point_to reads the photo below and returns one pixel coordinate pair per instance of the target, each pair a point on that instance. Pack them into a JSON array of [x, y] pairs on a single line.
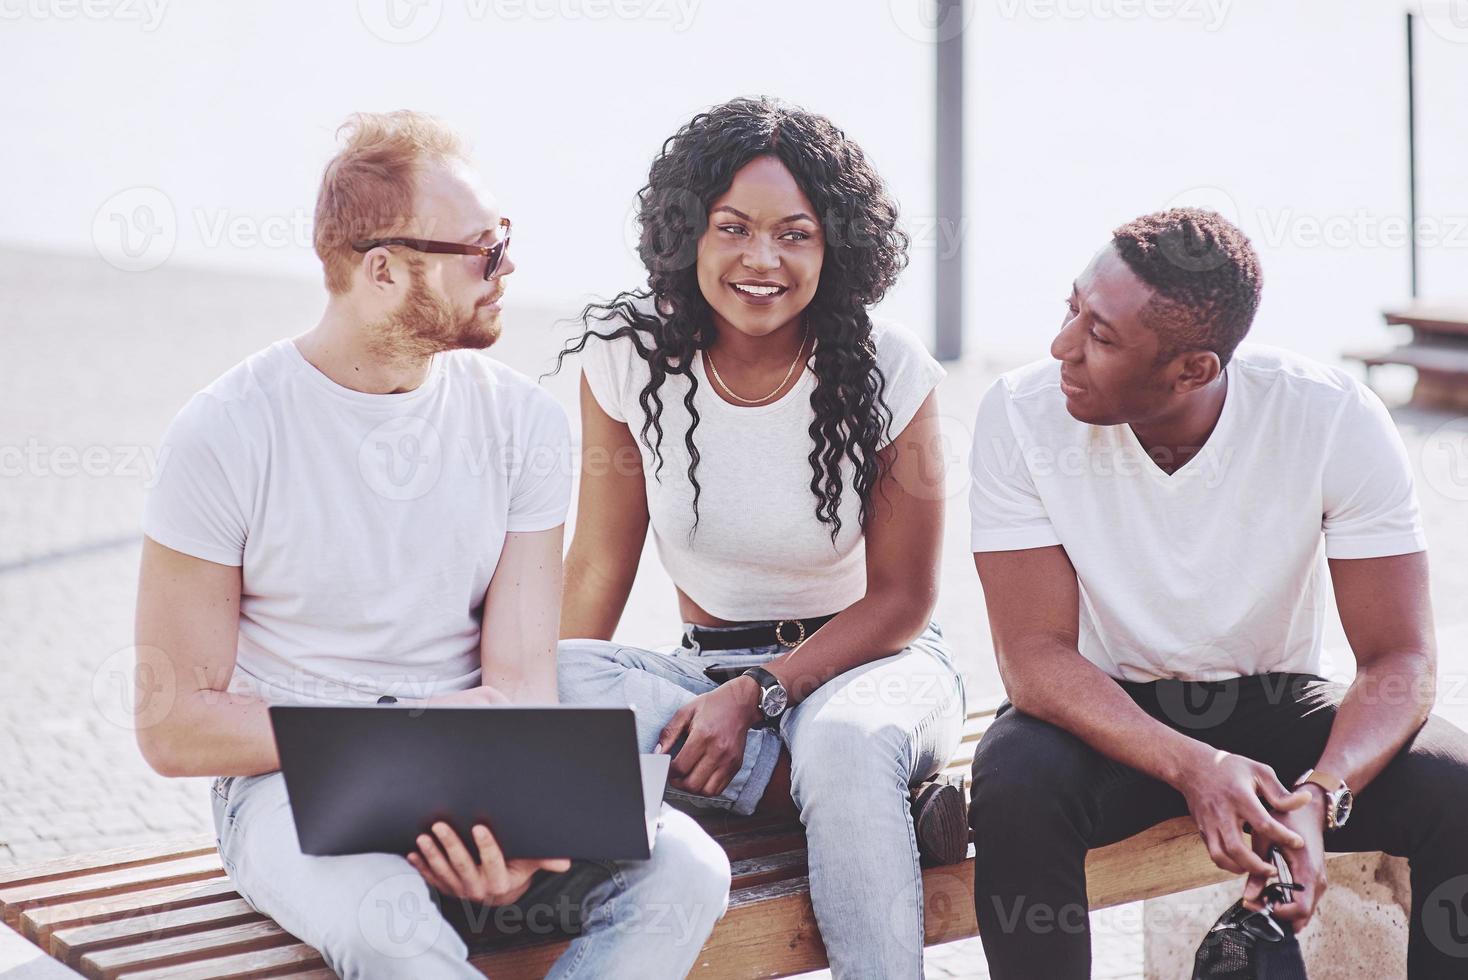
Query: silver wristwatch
[[773, 699]]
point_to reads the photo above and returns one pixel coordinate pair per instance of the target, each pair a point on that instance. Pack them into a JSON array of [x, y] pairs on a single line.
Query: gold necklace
[[708, 355]]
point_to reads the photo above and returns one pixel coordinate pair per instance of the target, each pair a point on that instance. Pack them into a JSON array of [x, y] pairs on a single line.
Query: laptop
[[549, 782]]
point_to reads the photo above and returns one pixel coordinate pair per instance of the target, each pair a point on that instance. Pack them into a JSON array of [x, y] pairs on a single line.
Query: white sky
[[1081, 114]]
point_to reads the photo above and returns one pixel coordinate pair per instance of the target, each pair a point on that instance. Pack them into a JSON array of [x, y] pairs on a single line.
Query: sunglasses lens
[[493, 259]]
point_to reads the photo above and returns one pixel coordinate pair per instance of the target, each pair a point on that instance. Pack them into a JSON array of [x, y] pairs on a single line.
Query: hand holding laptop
[[446, 864]]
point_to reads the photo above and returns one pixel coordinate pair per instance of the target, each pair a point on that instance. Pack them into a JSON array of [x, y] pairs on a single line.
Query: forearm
[[211, 733], [1055, 684], [1387, 703], [594, 598], [875, 626]]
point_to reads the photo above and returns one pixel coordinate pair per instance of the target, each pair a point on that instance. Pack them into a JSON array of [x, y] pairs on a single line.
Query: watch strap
[[762, 677], [1331, 784]]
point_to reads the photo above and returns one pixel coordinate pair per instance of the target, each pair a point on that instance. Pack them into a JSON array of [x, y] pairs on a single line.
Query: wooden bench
[[1437, 350], [167, 910]]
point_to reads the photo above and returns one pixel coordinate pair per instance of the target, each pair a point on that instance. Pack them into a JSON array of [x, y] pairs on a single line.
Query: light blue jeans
[[857, 744], [372, 915]]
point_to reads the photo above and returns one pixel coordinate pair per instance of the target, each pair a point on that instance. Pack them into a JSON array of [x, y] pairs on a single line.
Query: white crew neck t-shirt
[[1218, 570], [759, 552], [367, 526]]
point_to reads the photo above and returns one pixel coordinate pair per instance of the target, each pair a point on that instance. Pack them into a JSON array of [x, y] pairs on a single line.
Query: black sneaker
[[940, 822]]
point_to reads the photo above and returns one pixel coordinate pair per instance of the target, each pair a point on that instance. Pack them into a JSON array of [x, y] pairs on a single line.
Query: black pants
[[1042, 798]]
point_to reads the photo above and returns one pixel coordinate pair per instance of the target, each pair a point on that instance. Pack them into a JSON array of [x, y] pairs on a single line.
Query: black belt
[[787, 633]]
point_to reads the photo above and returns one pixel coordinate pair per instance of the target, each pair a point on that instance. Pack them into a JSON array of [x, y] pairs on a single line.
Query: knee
[[693, 871], [840, 761], [1022, 770], [395, 929]]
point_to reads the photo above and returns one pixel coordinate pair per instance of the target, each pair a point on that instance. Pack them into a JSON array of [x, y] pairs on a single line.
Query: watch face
[[1342, 805], [774, 701]]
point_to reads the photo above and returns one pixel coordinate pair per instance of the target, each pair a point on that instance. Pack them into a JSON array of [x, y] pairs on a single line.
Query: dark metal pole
[[948, 303], [1412, 148]]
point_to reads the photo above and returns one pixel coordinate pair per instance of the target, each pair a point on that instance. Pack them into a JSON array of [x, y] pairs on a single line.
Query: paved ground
[[98, 360]]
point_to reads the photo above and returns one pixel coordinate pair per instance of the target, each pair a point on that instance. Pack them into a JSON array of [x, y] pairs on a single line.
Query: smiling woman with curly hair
[[782, 447]]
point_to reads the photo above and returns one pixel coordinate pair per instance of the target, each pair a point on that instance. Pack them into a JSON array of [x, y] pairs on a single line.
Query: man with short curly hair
[[1156, 514]]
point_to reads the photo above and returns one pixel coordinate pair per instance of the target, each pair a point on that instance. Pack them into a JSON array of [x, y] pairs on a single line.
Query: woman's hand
[[716, 725], [445, 863]]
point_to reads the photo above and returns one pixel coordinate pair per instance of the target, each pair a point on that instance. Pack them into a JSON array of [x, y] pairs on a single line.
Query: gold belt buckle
[[780, 633]]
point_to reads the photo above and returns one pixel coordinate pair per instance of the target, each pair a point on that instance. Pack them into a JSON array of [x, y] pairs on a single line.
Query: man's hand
[[1307, 863], [716, 724], [1223, 791], [447, 865]]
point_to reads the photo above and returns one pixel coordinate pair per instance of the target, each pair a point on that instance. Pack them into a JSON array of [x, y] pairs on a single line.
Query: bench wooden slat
[[773, 867], [1423, 357], [107, 964], [108, 860], [38, 923], [15, 899], [70, 944], [296, 960]]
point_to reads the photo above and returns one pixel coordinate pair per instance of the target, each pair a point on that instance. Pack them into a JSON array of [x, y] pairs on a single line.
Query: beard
[[426, 324]]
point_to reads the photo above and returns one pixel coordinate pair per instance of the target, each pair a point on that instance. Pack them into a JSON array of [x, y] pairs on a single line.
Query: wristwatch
[[1338, 796], [773, 699]]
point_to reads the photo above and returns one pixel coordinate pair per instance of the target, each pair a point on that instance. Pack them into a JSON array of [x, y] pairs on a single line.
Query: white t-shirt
[[367, 526], [759, 552], [1218, 570]]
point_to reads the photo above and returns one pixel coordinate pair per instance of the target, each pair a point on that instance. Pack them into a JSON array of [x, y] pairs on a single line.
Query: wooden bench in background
[[1437, 350], [168, 911]]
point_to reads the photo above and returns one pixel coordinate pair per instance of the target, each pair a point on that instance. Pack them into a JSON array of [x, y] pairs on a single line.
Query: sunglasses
[[494, 255]]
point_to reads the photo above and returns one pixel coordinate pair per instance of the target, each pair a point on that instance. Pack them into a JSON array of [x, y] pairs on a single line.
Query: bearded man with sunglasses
[[373, 511]]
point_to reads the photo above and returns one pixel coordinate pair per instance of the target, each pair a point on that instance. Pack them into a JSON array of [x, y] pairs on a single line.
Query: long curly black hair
[[864, 252]]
